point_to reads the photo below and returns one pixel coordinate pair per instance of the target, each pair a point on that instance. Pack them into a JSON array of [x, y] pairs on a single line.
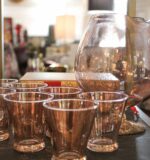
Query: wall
[[143, 9], [37, 15]]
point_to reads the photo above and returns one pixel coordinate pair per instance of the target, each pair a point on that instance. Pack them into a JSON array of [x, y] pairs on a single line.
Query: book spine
[[64, 83]]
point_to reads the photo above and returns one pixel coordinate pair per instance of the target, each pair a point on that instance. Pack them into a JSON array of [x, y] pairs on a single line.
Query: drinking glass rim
[[11, 79], [45, 105], [12, 90], [57, 93], [44, 85], [125, 96], [25, 101]]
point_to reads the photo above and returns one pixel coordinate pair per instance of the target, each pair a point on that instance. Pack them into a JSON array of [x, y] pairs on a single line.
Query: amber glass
[[4, 119], [111, 105], [61, 93], [70, 122], [27, 120], [113, 55]]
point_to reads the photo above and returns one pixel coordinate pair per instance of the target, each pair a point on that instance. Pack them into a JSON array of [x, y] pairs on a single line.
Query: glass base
[[4, 135], [69, 156], [29, 145], [129, 127], [102, 145]]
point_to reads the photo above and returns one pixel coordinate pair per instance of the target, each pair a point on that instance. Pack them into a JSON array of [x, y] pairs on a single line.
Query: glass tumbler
[[27, 119], [70, 121], [61, 93], [108, 118], [4, 119]]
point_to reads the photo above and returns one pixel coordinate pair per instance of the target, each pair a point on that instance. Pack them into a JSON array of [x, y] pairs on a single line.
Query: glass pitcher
[[113, 55]]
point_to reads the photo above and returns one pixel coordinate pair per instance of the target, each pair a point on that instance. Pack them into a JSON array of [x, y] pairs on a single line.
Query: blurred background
[[43, 35]]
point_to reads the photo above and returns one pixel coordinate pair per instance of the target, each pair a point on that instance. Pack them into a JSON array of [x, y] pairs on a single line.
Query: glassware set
[[67, 115]]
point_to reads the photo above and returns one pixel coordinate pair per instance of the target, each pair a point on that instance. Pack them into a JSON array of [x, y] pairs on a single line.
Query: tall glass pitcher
[[113, 55]]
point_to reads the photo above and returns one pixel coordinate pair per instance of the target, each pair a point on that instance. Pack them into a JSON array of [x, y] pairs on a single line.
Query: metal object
[[1, 41], [143, 116]]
